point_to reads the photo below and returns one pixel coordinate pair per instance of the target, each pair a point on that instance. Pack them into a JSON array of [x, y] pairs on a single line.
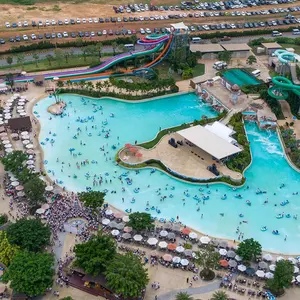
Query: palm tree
[[114, 46], [49, 57], [183, 296], [99, 47], [20, 59], [220, 295], [99, 86], [36, 58]]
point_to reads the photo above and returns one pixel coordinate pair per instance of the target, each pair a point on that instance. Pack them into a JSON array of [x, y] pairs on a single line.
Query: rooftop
[[221, 130], [209, 141], [179, 26], [271, 45], [206, 48], [236, 47]]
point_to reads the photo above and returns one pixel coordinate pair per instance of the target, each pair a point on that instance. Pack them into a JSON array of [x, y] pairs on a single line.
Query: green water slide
[[281, 87]]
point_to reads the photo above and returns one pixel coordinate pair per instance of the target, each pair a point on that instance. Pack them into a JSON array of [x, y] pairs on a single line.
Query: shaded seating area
[[20, 124]]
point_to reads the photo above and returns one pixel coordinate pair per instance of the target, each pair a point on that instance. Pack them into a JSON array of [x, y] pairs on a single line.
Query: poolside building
[[241, 50], [271, 47], [222, 131], [209, 51], [216, 145]]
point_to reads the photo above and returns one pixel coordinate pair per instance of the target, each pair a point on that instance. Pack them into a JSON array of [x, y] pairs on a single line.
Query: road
[[108, 49]]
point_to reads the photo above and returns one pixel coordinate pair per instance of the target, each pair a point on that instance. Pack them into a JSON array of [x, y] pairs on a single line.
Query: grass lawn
[[43, 65], [199, 70], [296, 47], [163, 71]]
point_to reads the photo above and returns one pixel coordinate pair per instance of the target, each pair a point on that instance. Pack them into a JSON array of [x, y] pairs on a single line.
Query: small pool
[[249, 113], [240, 77]]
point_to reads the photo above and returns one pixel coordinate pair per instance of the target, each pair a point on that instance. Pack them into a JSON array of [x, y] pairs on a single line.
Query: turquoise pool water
[[240, 77], [141, 122]]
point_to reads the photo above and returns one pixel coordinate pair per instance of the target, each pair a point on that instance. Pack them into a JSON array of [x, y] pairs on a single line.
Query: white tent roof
[[209, 141], [222, 131], [179, 26]]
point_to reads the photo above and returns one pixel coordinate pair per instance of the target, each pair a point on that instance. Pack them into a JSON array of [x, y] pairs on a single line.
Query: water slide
[[157, 60], [153, 39], [281, 86], [98, 70], [294, 73]]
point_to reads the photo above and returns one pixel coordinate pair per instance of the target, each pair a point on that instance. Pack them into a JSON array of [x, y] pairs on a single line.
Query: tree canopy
[[207, 259], [29, 234], [225, 56], [34, 190], [249, 249], [283, 277], [140, 221], [183, 296], [93, 199], [219, 295], [94, 255], [126, 275], [251, 60], [30, 273], [14, 161], [7, 251]]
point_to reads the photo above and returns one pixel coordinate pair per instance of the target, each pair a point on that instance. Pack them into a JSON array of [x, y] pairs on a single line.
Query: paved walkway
[[192, 291]]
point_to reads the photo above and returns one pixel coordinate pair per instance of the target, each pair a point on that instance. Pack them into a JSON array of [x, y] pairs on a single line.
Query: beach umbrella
[[176, 259], [223, 263], [3, 134], [263, 265], [260, 273], [152, 241], [184, 262], [31, 167], [269, 275], [9, 150], [10, 100], [242, 268], [7, 117], [23, 114], [133, 150], [171, 236], [232, 263], [24, 133], [105, 221], [238, 258], [231, 254], [188, 252], [128, 146], [292, 260], [296, 270], [267, 257], [204, 240], [4, 138], [25, 137], [163, 233], [40, 211], [45, 206], [6, 110], [127, 229], [138, 238], [30, 162], [250, 271], [49, 188], [163, 245], [153, 253], [109, 212], [298, 278], [6, 142], [186, 231], [20, 188], [172, 247], [112, 224], [223, 252], [15, 183], [120, 226], [26, 142], [1, 122], [139, 154], [279, 258], [20, 107], [30, 151], [125, 219], [176, 227], [168, 226], [167, 257], [8, 145], [180, 249], [126, 236], [118, 215], [115, 232], [29, 146], [193, 235], [20, 194]]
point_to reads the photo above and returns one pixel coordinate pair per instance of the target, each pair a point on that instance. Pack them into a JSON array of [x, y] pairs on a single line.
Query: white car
[[19, 24], [83, 20], [148, 30], [66, 21], [141, 18], [47, 22], [104, 32], [25, 37], [53, 22], [33, 36], [78, 21], [25, 24], [90, 20], [96, 20], [65, 34], [7, 25], [40, 23], [93, 34], [129, 32], [142, 31]]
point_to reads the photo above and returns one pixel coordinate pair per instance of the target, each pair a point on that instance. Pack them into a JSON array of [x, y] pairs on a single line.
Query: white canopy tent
[[209, 142], [222, 131], [179, 26]]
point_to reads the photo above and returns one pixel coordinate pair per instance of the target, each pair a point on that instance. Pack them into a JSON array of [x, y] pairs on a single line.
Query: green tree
[[7, 251], [91, 50], [94, 255], [67, 56], [21, 59], [187, 73], [126, 275], [3, 219], [14, 161], [283, 277], [219, 295], [60, 84], [34, 190], [183, 296], [50, 58], [251, 60], [225, 56], [9, 78], [114, 46], [30, 273], [59, 54], [99, 48], [9, 60], [140, 221], [249, 249], [36, 58], [66, 298], [29, 234], [207, 259]]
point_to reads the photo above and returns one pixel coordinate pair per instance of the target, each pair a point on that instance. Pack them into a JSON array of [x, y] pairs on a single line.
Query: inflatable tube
[[280, 216], [285, 202], [264, 228]]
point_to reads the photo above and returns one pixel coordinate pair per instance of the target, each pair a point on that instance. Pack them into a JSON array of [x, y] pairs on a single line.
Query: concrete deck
[[185, 160]]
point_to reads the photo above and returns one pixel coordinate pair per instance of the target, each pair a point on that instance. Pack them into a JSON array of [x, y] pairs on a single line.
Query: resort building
[[238, 50], [222, 131], [271, 47], [209, 51]]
